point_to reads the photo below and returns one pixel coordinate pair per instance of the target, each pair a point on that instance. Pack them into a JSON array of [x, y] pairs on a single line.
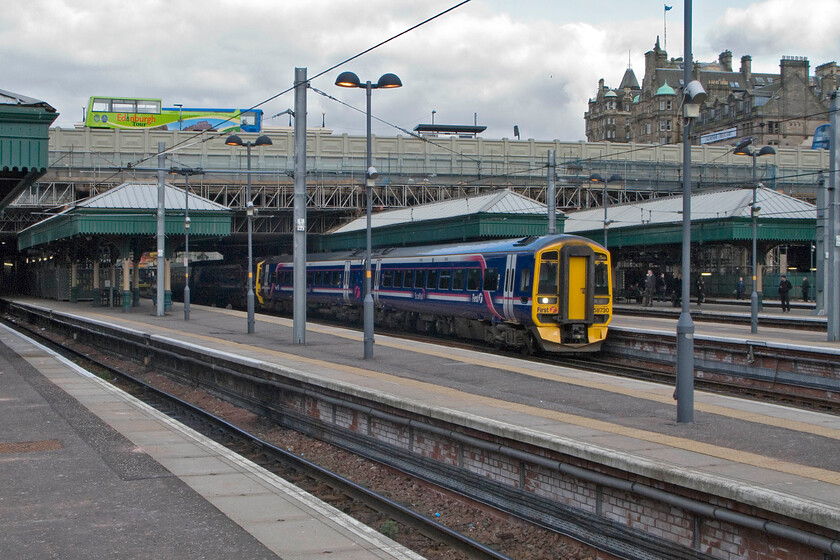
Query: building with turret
[[781, 109]]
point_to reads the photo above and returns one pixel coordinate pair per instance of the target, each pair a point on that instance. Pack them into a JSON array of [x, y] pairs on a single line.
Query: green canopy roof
[[130, 210]]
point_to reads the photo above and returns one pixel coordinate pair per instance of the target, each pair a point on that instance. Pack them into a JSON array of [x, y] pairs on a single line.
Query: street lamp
[[235, 140], [387, 81], [597, 178], [745, 149], [186, 172]]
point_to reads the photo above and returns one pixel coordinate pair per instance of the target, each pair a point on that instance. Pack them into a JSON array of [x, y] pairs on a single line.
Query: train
[[552, 293], [141, 112]]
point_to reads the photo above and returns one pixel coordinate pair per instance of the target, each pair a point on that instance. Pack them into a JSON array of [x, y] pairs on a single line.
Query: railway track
[[529, 505], [400, 522]]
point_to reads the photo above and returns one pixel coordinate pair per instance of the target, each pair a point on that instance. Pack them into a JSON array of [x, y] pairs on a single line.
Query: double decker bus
[[138, 113]]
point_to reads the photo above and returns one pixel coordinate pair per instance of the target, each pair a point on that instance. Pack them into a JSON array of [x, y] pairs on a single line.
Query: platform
[[90, 472], [780, 459]]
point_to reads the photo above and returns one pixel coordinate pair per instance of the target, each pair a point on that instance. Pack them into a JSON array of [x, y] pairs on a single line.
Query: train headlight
[[546, 300]]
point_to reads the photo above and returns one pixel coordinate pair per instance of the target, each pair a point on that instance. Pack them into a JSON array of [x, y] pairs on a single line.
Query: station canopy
[[130, 210], [716, 215], [24, 140], [500, 214]]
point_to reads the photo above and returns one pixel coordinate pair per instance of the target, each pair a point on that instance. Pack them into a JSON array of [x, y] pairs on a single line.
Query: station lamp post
[[186, 172], [746, 149], [235, 140], [597, 178], [387, 81]]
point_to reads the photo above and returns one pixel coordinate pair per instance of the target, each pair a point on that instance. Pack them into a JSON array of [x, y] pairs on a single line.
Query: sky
[[497, 63]]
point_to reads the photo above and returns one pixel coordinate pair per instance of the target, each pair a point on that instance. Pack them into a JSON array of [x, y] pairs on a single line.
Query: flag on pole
[[667, 7]]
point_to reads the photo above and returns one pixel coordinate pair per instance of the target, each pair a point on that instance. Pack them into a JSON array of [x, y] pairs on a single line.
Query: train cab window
[[602, 275], [549, 273], [445, 279], [474, 279], [491, 279], [458, 277], [387, 279], [525, 280], [431, 279], [288, 277], [419, 278]]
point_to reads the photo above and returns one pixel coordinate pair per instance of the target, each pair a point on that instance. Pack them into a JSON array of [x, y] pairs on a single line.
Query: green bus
[[139, 113]]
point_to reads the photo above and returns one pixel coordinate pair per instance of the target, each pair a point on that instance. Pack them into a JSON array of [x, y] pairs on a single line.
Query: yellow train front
[[551, 292], [572, 299]]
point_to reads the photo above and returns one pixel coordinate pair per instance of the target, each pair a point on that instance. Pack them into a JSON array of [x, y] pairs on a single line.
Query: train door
[[345, 285], [375, 286], [577, 284], [509, 286]]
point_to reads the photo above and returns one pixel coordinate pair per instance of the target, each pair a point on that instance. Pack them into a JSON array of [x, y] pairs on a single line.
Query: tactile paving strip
[[29, 446]]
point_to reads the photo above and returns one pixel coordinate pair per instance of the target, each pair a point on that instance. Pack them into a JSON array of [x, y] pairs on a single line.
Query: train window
[[491, 279], [387, 278], [458, 277], [431, 279], [336, 278], [474, 279], [549, 271], [525, 280], [310, 278], [602, 276], [445, 279], [409, 279], [419, 278], [287, 277], [399, 276], [319, 277]]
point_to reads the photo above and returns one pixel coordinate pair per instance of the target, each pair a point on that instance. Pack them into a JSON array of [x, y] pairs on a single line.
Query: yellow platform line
[[719, 452], [667, 399]]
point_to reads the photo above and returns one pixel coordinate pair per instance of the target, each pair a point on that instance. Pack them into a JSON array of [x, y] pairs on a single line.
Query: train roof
[[521, 244]]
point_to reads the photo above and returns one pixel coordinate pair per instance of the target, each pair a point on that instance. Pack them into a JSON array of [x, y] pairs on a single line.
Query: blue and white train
[[554, 291]]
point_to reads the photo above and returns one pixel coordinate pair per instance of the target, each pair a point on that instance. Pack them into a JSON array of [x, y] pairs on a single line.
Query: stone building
[[781, 109]]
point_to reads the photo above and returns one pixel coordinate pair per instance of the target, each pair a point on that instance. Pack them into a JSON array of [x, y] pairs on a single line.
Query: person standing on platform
[[739, 288], [650, 288], [663, 287], [784, 293], [806, 287], [701, 290]]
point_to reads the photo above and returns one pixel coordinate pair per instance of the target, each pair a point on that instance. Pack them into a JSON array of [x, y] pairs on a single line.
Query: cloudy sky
[[531, 63]]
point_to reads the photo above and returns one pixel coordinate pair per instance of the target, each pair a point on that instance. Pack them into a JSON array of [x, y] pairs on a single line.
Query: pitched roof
[[708, 205], [11, 98], [500, 202], [144, 196], [629, 80]]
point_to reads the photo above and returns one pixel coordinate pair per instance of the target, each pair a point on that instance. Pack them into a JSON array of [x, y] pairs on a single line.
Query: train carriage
[[552, 290]]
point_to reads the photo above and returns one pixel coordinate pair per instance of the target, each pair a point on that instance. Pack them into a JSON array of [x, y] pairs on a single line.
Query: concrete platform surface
[[90, 472]]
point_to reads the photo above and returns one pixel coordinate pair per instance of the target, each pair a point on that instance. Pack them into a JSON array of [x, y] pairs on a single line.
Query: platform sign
[[713, 137], [822, 137]]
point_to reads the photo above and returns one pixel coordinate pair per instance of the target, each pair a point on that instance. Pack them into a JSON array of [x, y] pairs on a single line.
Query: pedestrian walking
[[650, 288], [784, 294], [806, 287], [739, 288]]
